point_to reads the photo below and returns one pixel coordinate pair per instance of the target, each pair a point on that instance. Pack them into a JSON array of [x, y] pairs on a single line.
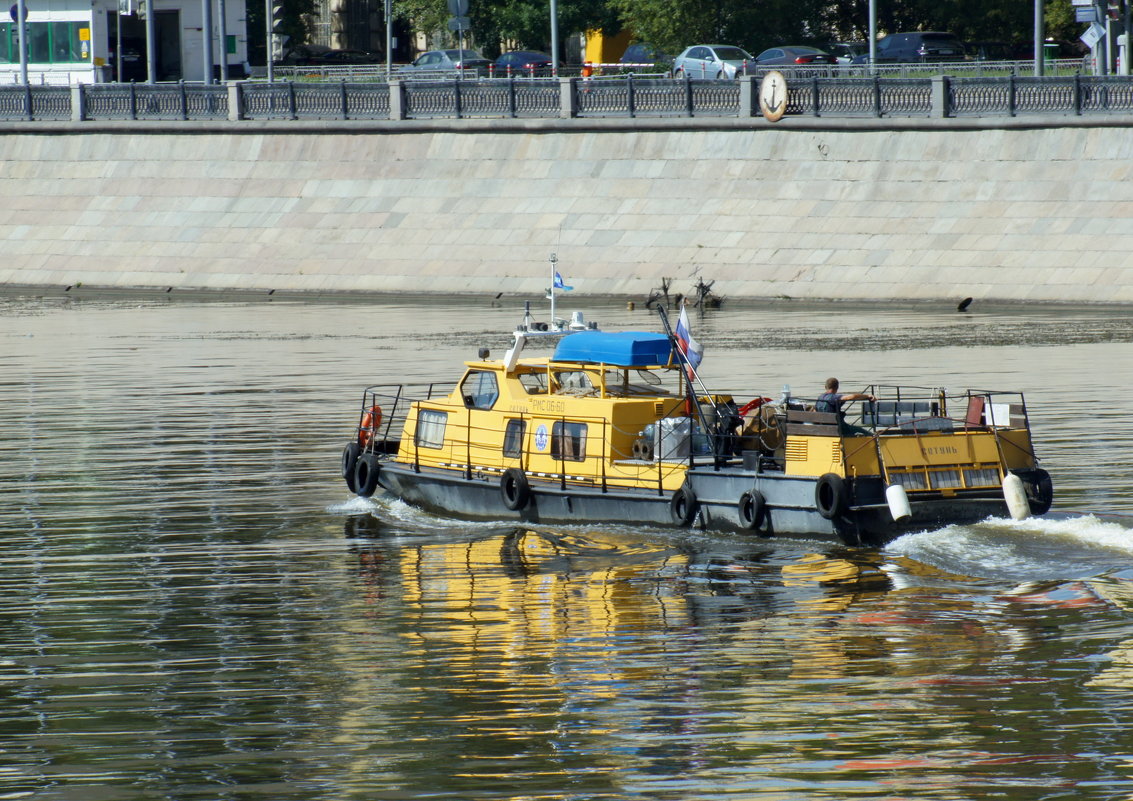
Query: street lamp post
[[389, 39], [22, 26], [222, 38], [554, 37], [872, 34], [269, 25], [206, 32]]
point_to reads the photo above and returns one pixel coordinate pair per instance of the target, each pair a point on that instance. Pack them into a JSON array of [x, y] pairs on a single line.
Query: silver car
[[458, 62], [713, 62]]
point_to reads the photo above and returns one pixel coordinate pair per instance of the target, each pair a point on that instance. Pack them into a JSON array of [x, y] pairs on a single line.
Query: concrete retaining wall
[[806, 209]]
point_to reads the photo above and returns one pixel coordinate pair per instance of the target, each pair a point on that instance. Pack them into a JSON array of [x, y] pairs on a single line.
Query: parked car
[[917, 48], [712, 62], [990, 51], [523, 62], [441, 61], [846, 52], [305, 55], [352, 57], [794, 55], [645, 54]]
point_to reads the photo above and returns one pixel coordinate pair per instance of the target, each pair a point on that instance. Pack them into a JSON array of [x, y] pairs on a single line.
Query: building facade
[[91, 41]]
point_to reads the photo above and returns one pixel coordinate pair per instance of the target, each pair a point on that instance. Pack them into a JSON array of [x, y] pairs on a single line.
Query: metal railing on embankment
[[620, 96]]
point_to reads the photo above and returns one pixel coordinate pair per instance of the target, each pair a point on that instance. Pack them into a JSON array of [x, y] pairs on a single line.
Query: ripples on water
[[193, 607]]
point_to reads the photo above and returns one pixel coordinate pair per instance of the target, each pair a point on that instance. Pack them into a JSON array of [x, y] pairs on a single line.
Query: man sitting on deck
[[832, 401]]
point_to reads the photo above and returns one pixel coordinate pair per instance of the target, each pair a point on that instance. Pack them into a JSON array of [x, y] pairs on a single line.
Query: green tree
[[672, 25], [1059, 21], [499, 25]]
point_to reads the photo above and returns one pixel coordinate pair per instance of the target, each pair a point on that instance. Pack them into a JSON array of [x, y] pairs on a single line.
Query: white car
[[713, 62], [451, 62]]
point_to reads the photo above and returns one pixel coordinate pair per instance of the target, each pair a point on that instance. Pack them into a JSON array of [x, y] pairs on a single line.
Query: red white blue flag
[[692, 349]]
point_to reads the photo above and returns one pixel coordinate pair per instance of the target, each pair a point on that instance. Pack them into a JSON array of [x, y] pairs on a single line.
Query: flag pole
[[691, 373], [553, 260]]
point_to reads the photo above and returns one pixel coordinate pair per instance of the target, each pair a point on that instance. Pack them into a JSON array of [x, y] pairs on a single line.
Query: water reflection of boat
[[617, 427]]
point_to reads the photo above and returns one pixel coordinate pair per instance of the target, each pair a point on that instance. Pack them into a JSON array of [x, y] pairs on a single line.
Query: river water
[[192, 605]]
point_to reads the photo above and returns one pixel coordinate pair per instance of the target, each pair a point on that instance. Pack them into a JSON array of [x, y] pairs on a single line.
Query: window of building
[[48, 42], [480, 389], [431, 428], [513, 438], [568, 441]]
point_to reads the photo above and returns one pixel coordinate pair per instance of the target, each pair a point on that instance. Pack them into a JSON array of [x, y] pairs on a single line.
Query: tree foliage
[[672, 25], [499, 25]]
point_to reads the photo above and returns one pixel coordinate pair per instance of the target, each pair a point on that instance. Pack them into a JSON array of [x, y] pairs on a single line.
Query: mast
[[691, 376], [551, 292]]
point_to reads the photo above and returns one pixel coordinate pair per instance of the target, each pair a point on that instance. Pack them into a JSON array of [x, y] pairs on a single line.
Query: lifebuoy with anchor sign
[[752, 507], [830, 495], [682, 507], [515, 489], [369, 428]]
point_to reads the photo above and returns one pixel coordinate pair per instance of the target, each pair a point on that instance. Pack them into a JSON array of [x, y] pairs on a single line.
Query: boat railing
[[898, 411], [588, 450], [594, 449], [392, 402], [905, 409]]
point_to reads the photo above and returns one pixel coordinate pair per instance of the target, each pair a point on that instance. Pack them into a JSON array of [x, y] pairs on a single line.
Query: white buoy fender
[[1016, 497], [898, 502]]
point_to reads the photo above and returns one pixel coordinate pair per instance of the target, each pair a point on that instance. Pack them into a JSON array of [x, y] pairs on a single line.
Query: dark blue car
[[523, 63]]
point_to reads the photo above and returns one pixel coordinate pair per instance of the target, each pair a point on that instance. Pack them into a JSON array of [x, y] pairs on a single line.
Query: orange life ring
[[369, 428], [753, 404]]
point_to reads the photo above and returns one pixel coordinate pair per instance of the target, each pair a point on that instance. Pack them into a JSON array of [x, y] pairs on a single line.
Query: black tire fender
[[682, 506], [830, 495], [515, 489], [349, 459], [1039, 488], [366, 473], [752, 508]]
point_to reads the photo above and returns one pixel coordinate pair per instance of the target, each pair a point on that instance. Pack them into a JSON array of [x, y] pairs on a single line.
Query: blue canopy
[[621, 348]]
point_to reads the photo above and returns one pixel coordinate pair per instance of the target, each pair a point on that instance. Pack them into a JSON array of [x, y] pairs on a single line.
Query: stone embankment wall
[[841, 209]]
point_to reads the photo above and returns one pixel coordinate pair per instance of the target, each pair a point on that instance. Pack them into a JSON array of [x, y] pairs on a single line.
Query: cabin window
[[568, 441], [513, 438], [480, 389], [534, 383], [574, 382], [431, 428]]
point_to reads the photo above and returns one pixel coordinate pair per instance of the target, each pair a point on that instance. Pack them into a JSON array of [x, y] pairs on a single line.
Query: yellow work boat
[[615, 428]]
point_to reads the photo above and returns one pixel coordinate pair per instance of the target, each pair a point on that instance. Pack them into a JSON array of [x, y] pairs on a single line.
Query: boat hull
[[712, 499]]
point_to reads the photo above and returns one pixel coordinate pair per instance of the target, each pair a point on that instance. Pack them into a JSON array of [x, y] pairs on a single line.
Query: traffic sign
[[458, 8], [15, 10], [459, 24], [1093, 35]]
